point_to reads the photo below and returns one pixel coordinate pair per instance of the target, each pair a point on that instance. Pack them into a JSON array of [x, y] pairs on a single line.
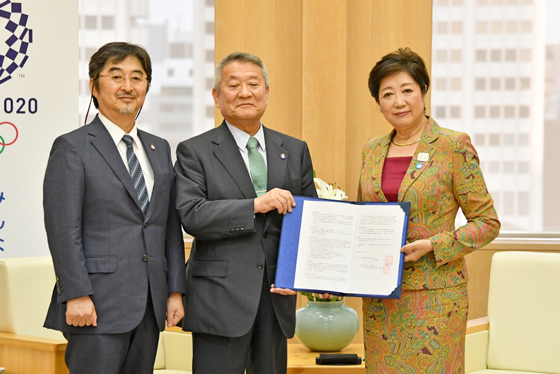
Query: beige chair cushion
[[174, 355], [160, 355], [26, 286], [524, 312]]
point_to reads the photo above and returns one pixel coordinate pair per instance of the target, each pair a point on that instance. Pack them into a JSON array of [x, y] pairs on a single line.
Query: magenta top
[[394, 170]]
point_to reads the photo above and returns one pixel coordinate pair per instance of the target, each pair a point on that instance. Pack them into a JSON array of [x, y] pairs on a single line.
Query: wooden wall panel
[[270, 29], [375, 28], [324, 86]]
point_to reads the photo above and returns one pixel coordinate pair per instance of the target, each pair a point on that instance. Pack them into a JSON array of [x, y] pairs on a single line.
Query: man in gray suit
[[234, 184], [112, 227]]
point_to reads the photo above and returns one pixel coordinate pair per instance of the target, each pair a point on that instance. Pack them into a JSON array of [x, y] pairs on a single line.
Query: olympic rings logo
[[3, 143]]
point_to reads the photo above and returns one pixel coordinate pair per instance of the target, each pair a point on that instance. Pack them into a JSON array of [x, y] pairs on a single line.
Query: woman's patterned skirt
[[422, 332]]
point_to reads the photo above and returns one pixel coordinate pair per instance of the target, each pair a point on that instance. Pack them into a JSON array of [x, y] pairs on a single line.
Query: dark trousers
[[132, 352], [263, 350]]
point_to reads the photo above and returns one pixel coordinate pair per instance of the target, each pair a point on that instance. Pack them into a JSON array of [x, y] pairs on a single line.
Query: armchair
[[521, 334], [26, 347], [174, 354]]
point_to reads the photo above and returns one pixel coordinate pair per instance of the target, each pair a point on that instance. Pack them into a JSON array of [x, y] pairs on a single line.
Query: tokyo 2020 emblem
[[13, 54]]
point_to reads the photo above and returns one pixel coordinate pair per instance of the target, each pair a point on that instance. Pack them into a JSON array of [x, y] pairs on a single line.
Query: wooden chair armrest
[[32, 342], [476, 325]]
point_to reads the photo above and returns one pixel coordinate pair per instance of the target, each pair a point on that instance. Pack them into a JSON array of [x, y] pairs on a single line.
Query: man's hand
[[413, 251], [81, 312], [281, 200], [175, 309], [282, 291]]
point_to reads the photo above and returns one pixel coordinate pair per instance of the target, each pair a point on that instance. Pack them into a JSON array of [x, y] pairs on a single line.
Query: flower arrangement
[[332, 192]]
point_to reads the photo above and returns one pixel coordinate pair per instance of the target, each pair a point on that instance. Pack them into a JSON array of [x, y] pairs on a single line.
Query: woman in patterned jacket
[[436, 170]]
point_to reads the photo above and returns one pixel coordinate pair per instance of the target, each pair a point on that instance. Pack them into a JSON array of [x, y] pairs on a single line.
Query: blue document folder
[[289, 245]]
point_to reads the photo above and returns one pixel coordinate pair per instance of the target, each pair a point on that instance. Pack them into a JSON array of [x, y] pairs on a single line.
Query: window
[[107, 22], [441, 56], [479, 139], [511, 27], [456, 55], [441, 27], [455, 84], [523, 198], [209, 112], [177, 50], [456, 28], [509, 139], [509, 167], [90, 22], [441, 84], [209, 84], [479, 112], [509, 84], [494, 139], [494, 111], [524, 111], [455, 111], [525, 83], [497, 27], [480, 55], [440, 112], [495, 55], [481, 27], [209, 28], [525, 54], [480, 84], [511, 55], [495, 84], [526, 27], [509, 111], [210, 56]]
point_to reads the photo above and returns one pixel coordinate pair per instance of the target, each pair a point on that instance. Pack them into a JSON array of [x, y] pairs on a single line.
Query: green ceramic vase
[[326, 326]]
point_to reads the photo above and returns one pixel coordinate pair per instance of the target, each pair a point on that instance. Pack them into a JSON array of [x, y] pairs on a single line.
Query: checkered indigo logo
[[14, 53]]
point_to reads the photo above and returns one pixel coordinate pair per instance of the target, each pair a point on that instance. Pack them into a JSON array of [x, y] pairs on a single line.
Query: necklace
[[405, 144]]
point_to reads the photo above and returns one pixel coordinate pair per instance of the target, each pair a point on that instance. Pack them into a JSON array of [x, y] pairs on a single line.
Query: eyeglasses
[[135, 78]]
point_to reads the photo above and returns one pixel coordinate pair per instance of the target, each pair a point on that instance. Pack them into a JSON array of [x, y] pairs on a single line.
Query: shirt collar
[[241, 137], [116, 132]]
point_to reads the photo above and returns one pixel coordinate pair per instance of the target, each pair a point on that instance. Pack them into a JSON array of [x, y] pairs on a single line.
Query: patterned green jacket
[[449, 179]]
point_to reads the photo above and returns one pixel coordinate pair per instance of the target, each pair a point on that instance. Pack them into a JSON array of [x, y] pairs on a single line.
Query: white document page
[[376, 262], [325, 246], [349, 248]]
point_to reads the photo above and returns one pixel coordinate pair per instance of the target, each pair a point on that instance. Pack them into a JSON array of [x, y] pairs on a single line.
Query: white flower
[[329, 191]]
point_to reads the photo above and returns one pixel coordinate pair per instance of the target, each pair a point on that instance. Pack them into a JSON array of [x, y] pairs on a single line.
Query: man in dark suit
[[112, 227], [231, 199]]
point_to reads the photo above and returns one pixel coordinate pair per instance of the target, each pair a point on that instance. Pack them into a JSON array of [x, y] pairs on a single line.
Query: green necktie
[[257, 166]]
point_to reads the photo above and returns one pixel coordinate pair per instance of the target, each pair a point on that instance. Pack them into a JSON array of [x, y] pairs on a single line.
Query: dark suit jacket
[[231, 244], [98, 236]]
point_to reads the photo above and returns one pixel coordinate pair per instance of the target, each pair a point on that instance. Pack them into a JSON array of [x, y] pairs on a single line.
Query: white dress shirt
[[241, 139], [117, 134]]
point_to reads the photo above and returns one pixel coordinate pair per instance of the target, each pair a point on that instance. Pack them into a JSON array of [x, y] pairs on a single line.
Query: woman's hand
[[413, 251]]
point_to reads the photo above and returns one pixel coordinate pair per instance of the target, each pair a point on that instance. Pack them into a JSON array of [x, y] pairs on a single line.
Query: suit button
[[260, 266], [265, 235], [145, 225], [145, 258]]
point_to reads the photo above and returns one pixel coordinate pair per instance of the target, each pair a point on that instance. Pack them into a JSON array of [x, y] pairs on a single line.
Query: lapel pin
[[283, 156], [153, 147], [422, 156], [419, 165]]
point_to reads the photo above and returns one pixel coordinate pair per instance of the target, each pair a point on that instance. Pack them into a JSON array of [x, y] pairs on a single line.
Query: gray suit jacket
[[101, 243], [232, 244]]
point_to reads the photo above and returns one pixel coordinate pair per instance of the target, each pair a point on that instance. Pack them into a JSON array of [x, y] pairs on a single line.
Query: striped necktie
[[257, 166], [135, 171]]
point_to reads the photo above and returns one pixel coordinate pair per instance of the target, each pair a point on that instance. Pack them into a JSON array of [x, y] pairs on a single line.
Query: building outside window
[[510, 102], [180, 40]]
